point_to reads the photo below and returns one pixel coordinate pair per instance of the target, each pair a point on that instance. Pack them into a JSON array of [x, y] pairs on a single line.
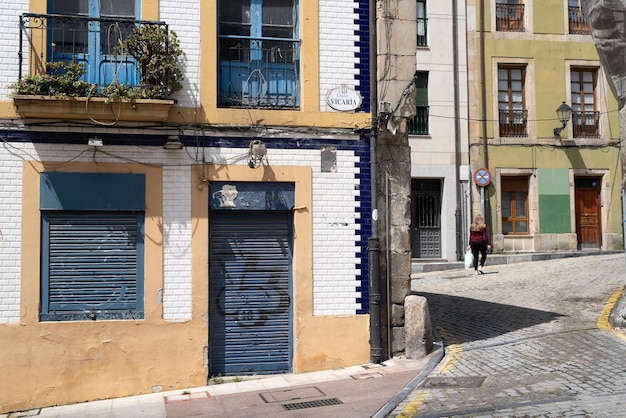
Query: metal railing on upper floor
[[258, 72], [510, 17], [513, 123], [95, 44]]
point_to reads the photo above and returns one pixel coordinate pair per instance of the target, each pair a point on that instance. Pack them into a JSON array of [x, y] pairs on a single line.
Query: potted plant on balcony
[[61, 92]]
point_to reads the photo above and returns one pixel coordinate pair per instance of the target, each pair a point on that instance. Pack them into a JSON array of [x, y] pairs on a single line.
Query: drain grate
[[364, 376], [311, 404], [453, 382]]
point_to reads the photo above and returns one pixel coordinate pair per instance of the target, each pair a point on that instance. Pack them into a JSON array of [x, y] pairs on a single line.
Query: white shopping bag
[[469, 259]]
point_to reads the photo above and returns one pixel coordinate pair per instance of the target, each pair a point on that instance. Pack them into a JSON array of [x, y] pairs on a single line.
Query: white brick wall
[[334, 230], [337, 45], [177, 243], [9, 44], [187, 28], [334, 220], [10, 234]]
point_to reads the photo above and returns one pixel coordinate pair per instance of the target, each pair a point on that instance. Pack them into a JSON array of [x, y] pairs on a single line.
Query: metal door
[[426, 218], [249, 292]]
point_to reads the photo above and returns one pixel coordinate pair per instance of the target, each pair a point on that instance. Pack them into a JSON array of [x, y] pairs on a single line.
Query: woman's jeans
[[479, 247]]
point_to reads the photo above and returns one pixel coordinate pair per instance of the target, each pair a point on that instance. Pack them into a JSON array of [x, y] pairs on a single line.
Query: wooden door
[[588, 213]]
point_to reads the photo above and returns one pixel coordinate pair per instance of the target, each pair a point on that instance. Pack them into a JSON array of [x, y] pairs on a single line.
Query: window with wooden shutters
[[513, 115], [514, 204], [585, 117]]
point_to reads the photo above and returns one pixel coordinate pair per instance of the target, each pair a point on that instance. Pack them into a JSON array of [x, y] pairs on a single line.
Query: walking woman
[[479, 242]]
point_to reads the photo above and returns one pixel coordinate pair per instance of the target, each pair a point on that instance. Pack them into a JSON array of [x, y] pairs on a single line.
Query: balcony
[[510, 17], [513, 123], [577, 21], [419, 124], [259, 72], [79, 67], [586, 124]]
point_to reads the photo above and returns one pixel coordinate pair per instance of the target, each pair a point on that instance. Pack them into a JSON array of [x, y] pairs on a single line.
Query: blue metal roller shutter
[[92, 263], [249, 289]]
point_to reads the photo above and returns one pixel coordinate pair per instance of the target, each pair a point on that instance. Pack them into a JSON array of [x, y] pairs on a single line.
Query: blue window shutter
[[92, 244], [92, 266]]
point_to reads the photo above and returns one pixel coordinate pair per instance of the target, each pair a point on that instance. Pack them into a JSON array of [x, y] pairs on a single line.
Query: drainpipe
[[483, 104], [373, 245], [457, 130]]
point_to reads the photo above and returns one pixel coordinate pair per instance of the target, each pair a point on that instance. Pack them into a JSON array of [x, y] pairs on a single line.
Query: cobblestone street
[[526, 339]]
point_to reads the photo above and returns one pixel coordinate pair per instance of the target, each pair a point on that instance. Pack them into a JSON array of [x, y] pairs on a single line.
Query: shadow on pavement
[[474, 320]]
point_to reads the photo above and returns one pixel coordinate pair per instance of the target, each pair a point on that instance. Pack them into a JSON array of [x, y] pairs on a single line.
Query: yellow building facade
[[553, 184]]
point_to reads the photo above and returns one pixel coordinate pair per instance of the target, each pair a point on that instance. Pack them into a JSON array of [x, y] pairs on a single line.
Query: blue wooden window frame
[[101, 65], [92, 246], [262, 67]]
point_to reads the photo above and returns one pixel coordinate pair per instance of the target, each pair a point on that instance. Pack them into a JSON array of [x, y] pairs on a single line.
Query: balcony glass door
[[258, 53], [88, 33]]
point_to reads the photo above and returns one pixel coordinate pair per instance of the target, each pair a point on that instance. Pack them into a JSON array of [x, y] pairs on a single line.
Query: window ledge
[[98, 108]]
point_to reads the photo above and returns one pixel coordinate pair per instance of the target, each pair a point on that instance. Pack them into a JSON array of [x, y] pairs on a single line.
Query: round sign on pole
[[482, 177]]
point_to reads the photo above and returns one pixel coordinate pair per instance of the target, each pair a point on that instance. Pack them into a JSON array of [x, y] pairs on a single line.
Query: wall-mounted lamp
[[563, 112], [256, 153], [173, 142]]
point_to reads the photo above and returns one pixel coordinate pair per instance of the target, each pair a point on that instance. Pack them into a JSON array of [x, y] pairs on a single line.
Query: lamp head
[[564, 112]]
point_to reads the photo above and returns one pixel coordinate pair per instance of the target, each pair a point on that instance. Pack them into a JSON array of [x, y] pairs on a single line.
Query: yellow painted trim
[[149, 10], [50, 357], [319, 342], [38, 6], [454, 350], [309, 113], [31, 233], [413, 406], [603, 320], [454, 353]]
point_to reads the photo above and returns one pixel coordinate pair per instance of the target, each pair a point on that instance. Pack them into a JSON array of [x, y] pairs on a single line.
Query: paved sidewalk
[[358, 391]]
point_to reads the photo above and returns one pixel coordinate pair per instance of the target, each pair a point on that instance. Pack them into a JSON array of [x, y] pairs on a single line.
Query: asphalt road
[[525, 340]]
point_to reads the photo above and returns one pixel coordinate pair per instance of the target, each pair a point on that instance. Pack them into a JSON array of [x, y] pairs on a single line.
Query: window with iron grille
[[510, 15], [513, 115], [514, 204], [422, 23], [576, 19], [259, 54], [419, 124], [585, 117]]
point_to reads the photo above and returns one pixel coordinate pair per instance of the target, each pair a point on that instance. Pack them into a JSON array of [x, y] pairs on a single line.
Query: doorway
[[426, 218], [587, 206]]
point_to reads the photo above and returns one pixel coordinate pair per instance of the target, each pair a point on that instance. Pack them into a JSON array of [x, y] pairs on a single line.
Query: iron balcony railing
[[577, 21], [422, 31], [585, 124], [419, 124], [258, 72], [94, 43], [510, 17], [513, 123]]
